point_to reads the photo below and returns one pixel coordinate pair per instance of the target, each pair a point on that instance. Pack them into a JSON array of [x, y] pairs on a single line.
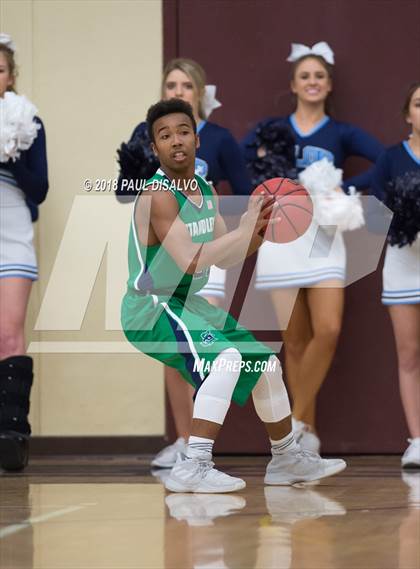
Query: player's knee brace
[[214, 396], [270, 396]]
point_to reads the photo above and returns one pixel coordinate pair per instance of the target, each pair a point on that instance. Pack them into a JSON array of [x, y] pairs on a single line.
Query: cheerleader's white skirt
[[316, 258], [401, 274], [17, 253], [215, 286]]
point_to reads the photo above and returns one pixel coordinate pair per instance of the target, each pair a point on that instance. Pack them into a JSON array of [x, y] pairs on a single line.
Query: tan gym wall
[[92, 69]]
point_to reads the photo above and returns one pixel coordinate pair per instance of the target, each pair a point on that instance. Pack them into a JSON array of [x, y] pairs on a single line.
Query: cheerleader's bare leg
[[326, 311], [296, 337], [180, 394], [14, 297], [406, 324], [15, 374]]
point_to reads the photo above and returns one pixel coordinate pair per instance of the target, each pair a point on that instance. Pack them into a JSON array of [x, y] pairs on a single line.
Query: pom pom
[[321, 177], [332, 207], [18, 129], [209, 102], [403, 198], [279, 160], [136, 158]]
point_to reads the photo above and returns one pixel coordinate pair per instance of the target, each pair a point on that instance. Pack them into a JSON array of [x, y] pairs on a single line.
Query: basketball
[[294, 210]]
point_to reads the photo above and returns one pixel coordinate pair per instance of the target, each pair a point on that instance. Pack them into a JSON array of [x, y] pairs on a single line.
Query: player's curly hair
[[163, 108]]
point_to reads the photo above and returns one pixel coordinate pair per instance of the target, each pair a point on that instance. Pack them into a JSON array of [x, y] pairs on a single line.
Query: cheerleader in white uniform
[[314, 263], [23, 185], [396, 181]]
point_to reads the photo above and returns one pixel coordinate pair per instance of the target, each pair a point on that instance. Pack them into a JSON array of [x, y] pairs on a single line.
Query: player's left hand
[[256, 219]]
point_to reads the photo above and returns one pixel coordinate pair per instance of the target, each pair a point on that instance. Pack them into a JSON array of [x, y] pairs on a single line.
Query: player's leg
[[406, 324], [178, 334], [181, 393], [289, 463], [326, 308], [180, 397], [194, 471], [15, 373], [233, 380]]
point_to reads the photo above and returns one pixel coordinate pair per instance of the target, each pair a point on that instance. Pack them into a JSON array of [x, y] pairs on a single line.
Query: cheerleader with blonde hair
[[23, 186]]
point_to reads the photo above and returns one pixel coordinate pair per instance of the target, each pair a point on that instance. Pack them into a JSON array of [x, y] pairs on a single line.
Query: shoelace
[[205, 466], [313, 456], [298, 435]]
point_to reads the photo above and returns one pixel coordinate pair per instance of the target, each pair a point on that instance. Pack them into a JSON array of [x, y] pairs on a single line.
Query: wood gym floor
[[113, 513]]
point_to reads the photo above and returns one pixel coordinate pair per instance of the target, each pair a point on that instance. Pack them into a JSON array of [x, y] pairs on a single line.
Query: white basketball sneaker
[[411, 457], [306, 438], [161, 474], [288, 505], [300, 466], [412, 479], [199, 475], [166, 458], [202, 509]]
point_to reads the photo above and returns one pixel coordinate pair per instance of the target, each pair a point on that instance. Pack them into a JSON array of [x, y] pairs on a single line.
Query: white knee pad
[[270, 396], [215, 394]]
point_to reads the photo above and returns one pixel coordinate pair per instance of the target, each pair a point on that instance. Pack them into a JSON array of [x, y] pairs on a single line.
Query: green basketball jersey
[[151, 268]]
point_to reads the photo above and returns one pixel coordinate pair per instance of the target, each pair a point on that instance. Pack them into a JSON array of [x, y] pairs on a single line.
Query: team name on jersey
[[201, 227]]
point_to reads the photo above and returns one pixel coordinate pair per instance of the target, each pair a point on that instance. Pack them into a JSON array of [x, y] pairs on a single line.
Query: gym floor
[[113, 512]]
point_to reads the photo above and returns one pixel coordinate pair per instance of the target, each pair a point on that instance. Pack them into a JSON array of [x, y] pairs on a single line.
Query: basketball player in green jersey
[[176, 234]]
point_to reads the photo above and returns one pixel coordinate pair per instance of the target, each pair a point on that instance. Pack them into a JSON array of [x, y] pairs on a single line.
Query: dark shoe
[[14, 451], [15, 388]]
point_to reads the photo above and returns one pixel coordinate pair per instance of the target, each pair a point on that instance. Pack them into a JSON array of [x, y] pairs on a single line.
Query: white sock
[[284, 445], [199, 447]]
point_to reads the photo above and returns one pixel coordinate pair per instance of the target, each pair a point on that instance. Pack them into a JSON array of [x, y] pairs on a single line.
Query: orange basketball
[[294, 211]]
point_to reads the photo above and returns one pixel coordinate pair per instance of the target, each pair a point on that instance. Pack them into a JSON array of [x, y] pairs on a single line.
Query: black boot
[[15, 388]]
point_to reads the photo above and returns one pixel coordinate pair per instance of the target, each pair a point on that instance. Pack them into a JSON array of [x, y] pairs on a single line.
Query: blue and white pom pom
[[332, 207], [136, 158], [278, 159], [18, 129]]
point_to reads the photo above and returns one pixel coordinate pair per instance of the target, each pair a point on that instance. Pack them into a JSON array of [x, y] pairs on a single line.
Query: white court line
[[10, 530]]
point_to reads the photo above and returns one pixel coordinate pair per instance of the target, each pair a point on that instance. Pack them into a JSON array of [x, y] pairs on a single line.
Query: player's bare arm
[[227, 250], [251, 228], [220, 229]]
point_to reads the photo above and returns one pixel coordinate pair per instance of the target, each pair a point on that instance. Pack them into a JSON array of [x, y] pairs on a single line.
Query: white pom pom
[[331, 206], [18, 129], [321, 177]]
